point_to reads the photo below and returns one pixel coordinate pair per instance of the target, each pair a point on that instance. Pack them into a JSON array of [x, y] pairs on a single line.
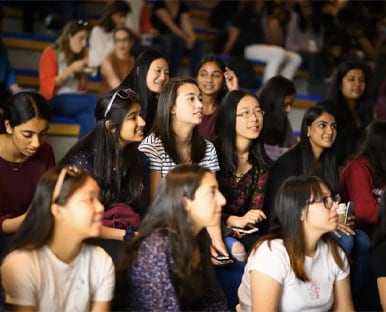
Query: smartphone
[[223, 259], [349, 211], [247, 230]]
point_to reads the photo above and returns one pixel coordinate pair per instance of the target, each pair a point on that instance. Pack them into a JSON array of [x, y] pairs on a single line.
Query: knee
[[363, 241], [294, 58], [238, 251], [346, 242]]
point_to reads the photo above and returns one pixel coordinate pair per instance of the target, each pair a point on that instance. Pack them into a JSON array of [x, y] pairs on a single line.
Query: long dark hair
[[117, 6], [341, 109], [168, 217], [316, 23], [24, 106], [380, 227], [373, 147], [38, 226], [271, 98], [226, 135], [127, 183], [212, 58], [327, 169], [136, 80], [163, 127], [289, 203]]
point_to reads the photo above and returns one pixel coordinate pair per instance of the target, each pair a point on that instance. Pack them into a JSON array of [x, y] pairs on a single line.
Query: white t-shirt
[[160, 160], [38, 278], [315, 295], [101, 44]]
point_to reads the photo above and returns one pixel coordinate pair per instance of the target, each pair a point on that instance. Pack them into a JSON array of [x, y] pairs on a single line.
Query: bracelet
[[129, 234]]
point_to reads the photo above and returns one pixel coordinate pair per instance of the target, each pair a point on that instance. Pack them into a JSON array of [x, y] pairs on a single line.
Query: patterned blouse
[[245, 194], [152, 279]]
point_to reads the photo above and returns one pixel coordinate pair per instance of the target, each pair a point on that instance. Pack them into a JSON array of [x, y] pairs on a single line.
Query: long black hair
[[119, 172], [380, 227], [373, 146], [38, 226], [341, 107], [327, 168], [24, 106], [136, 80], [168, 217], [226, 135], [271, 98], [290, 201], [163, 125]]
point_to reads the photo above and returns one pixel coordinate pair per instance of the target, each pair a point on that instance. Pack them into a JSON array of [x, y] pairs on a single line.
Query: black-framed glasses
[[123, 94], [328, 201], [246, 114], [70, 170]]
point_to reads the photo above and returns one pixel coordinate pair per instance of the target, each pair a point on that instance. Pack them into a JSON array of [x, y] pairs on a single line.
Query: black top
[[251, 32], [158, 24]]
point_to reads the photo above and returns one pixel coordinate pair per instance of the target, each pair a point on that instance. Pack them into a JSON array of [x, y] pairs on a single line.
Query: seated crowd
[[192, 193]]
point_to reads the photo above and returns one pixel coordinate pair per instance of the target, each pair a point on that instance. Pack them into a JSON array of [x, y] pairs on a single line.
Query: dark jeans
[[357, 247], [173, 47], [80, 106]]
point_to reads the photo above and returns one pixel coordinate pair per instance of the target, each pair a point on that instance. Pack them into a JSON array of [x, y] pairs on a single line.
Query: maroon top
[[18, 182], [207, 126]]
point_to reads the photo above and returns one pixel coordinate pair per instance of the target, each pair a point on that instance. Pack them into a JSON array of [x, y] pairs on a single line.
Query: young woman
[[110, 154], [167, 266], [349, 101], [176, 34], [117, 65], [175, 139], [299, 266], [213, 78], [63, 77], [50, 265], [314, 155], [253, 36], [363, 178], [242, 179], [101, 37], [276, 99], [24, 157], [305, 31], [147, 78], [243, 162]]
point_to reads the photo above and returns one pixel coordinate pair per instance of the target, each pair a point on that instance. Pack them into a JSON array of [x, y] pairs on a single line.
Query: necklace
[[18, 166], [15, 166], [239, 177]]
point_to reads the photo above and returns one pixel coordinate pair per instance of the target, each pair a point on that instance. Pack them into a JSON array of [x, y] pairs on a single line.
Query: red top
[[18, 182], [48, 70], [359, 187]]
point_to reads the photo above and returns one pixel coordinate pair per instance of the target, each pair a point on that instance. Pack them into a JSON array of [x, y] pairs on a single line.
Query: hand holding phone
[[349, 211]]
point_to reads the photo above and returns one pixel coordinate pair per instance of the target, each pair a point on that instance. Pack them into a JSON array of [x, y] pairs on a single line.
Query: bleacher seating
[[27, 77]]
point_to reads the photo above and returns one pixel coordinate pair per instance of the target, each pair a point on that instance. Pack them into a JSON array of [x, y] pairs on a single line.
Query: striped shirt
[[160, 160]]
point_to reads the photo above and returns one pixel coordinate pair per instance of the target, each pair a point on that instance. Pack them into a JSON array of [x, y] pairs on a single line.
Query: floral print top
[[242, 194]]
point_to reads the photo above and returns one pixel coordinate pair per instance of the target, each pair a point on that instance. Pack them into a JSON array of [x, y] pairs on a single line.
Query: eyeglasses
[[123, 94], [328, 201], [246, 114], [70, 170]]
